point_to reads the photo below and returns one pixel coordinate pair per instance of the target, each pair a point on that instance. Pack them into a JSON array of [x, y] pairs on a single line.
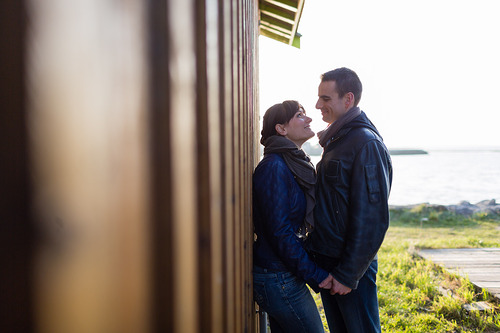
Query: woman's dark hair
[[278, 114]]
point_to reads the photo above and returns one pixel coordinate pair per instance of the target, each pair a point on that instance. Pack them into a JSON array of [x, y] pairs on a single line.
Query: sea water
[[444, 177]]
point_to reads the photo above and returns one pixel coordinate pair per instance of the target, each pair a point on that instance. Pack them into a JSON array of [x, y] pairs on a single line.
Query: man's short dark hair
[[346, 81]]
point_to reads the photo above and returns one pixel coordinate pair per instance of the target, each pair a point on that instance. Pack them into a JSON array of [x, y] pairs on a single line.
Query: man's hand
[[339, 288], [327, 283]]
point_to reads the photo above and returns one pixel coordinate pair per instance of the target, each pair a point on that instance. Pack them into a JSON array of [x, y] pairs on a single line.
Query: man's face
[[331, 105]]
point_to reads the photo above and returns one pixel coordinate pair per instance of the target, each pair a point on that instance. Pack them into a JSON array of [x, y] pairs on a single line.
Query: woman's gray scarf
[[326, 135], [300, 165]]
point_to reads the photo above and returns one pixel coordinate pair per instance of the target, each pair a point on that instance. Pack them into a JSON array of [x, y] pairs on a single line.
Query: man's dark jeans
[[356, 312]]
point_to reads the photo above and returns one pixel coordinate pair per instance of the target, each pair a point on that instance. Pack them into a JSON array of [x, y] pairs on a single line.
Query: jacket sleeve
[[271, 189], [368, 216]]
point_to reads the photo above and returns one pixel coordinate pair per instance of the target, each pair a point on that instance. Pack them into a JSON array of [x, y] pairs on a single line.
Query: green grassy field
[[411, 289]]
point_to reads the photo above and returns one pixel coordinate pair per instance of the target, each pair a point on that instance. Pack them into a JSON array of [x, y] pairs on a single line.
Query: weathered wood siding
[[131, 129]]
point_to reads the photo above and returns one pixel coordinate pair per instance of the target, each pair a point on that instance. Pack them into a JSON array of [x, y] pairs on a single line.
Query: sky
[[430, 68]]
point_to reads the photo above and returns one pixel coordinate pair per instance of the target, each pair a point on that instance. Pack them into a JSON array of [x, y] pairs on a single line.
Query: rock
[[464, 208], [491, 202]]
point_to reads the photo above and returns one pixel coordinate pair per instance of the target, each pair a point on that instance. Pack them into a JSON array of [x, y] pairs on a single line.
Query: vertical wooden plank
[[250, 310], [242, 124], [237, 155], [253, 144], [226, 103], [204, 278], [247, 95], [16, 227], [87, 84], [205, 257], [182, 70], [214, 163], [208, 177], [161, 170]]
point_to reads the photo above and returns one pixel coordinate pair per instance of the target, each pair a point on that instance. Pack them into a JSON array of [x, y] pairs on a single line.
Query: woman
[[283, 200]]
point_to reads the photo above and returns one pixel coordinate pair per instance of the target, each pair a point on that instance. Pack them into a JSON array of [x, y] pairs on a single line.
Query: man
[[351, 212]]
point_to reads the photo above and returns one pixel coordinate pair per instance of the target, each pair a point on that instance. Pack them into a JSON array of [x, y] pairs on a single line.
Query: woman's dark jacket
[[279, 207], [352, 189]]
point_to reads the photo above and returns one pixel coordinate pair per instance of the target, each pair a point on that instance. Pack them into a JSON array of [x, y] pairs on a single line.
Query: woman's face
[[298, 129]]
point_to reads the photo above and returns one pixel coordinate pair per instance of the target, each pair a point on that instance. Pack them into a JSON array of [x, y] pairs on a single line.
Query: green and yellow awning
[[279, 20]]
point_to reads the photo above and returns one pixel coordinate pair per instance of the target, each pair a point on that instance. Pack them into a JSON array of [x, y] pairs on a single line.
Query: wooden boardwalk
[[480, 266]]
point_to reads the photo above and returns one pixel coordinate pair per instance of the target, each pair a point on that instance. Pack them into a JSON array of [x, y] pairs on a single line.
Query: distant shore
[[407, 152], [464, 208], [317, 150]]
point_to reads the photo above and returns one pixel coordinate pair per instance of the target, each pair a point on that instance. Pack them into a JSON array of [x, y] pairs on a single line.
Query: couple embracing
[[321, 227]]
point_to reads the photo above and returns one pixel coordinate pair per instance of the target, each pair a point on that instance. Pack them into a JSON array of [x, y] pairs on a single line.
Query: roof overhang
[[279, 20]]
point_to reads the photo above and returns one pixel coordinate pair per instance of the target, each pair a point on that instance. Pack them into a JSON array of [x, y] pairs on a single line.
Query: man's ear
[[280, 128], [349, 100]]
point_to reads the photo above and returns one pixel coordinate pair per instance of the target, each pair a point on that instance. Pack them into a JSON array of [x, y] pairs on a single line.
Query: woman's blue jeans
[[287, 301]]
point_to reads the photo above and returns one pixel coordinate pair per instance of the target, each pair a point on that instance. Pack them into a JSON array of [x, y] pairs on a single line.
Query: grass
[[417, 296]]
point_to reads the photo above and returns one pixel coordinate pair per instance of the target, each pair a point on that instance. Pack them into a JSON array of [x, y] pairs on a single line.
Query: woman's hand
[[327, 283]]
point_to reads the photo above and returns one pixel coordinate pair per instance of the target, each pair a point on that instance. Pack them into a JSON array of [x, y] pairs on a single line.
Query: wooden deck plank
[[480, 266]]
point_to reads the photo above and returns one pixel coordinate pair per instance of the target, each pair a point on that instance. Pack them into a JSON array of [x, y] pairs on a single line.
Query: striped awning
[[279, 20]]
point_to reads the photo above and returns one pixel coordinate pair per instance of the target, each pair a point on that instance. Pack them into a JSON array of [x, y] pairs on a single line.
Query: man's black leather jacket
[[352, 190], [279, 207]]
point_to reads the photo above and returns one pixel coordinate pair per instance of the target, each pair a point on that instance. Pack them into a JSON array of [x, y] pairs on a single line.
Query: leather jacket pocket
[[332, 171]]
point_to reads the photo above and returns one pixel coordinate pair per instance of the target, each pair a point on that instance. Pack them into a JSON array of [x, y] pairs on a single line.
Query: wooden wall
[[131, 131]]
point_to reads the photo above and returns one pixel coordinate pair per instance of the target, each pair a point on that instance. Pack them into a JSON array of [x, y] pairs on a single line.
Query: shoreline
[[464, 208]]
